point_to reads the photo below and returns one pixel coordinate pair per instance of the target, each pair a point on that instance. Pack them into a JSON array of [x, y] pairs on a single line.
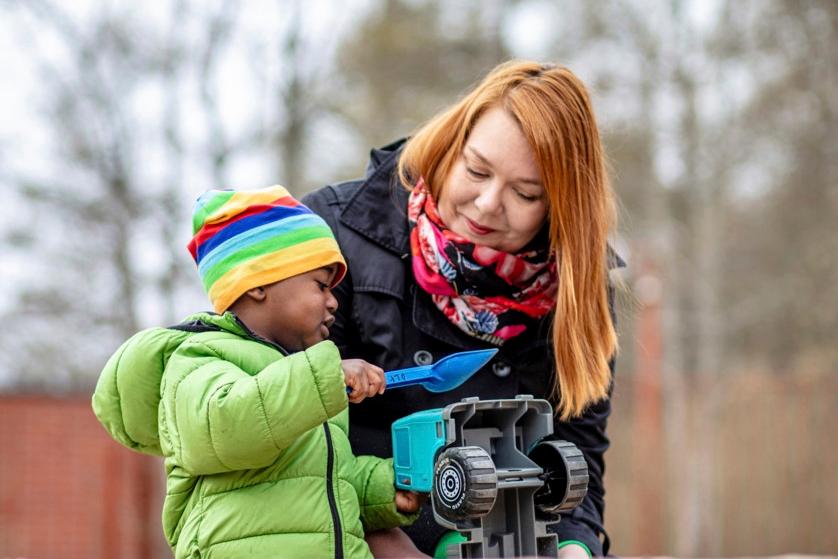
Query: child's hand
[[365, 379], [408, 501]]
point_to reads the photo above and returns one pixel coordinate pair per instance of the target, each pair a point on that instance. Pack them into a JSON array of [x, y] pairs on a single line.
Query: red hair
[[552, 107]]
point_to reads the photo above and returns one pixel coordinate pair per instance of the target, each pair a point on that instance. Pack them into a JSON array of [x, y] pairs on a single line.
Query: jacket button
[[501, 369], [423, 357]]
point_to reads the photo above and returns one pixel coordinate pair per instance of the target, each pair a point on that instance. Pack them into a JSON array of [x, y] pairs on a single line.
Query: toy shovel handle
[[406, 377]]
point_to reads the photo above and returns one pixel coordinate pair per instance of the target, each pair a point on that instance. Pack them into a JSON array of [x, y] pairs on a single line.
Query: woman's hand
[[408, 501], [364, 379]]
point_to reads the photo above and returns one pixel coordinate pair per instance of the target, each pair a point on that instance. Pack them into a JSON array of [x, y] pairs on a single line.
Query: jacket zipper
[[330, 460], [330, 493]]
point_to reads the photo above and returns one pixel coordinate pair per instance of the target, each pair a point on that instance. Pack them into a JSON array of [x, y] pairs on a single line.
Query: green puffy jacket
[[257, 457]]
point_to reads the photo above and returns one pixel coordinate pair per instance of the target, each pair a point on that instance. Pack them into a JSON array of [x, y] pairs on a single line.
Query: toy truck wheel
[[465, 483], [565, 476]]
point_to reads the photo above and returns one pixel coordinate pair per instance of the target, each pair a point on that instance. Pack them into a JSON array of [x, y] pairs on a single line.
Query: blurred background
[[720, 120]]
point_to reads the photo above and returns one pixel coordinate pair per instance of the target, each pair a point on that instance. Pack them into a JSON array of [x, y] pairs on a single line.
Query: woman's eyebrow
[[478, 155]]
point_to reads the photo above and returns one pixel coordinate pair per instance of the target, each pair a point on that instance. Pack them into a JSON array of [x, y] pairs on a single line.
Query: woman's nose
[[488, 200]]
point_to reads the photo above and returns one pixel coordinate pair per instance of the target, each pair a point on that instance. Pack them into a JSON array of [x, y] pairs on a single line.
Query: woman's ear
[[257, 293]]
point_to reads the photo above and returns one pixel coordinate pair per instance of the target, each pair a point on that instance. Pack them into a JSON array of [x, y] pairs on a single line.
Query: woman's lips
[[478, 229]]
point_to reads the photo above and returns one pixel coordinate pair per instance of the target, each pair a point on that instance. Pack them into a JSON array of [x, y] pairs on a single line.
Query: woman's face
[[494, 196]]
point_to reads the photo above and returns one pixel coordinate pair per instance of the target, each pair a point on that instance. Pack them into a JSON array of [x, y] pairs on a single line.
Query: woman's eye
[[476, 174], [526, 197]]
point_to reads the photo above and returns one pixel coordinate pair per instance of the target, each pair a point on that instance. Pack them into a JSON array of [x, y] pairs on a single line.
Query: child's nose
[[331, 303]]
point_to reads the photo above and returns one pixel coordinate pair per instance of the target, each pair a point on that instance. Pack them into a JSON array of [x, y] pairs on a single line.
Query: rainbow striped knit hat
[[246, 239]]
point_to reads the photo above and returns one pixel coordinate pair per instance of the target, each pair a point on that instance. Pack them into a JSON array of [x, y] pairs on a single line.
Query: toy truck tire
[[465, 483], [565, 476]]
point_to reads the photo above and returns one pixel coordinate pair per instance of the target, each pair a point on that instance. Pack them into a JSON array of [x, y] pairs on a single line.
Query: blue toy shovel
[[446, 374]]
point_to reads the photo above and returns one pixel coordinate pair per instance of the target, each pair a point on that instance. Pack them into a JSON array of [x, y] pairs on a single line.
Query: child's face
[[301, 308]]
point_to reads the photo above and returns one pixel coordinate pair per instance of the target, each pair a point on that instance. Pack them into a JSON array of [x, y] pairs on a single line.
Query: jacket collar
[[227, 322], [377, 210]]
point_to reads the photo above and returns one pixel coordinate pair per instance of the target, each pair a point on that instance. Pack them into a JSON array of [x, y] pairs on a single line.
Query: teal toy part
[[417, 439]]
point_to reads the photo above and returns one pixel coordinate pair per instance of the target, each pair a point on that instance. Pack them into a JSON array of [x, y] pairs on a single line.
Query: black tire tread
[[481, 484]]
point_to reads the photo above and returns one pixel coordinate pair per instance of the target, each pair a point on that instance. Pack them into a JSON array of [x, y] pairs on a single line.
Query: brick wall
[[68, 490]]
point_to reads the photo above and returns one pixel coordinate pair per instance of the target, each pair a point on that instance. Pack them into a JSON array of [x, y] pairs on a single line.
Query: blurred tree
[[103, 229], [783, 232], [301, 95], [408, 59], [141, 110], [720, 121]]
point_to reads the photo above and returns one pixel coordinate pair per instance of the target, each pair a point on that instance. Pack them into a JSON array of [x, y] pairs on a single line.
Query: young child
[[249, 406]]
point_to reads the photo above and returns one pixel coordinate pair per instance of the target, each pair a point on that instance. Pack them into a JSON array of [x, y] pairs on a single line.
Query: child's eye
[[322, 286], [476, 174]]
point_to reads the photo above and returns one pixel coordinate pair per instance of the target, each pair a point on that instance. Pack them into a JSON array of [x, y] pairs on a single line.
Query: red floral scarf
[[486, 293]]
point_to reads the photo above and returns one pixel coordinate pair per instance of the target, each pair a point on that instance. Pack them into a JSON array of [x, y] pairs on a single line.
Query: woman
[[487, 228]]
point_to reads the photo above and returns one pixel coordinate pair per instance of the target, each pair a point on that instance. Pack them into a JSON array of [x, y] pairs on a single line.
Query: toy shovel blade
[[446, 374]]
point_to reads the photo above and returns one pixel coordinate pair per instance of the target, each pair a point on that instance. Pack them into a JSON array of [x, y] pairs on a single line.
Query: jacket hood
[[127, 394]]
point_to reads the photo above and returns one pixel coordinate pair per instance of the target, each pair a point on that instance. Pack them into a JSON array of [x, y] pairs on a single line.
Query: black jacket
[[386, 320]]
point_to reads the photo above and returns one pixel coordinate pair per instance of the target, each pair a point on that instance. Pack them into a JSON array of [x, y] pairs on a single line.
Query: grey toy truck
[[493, 472]]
